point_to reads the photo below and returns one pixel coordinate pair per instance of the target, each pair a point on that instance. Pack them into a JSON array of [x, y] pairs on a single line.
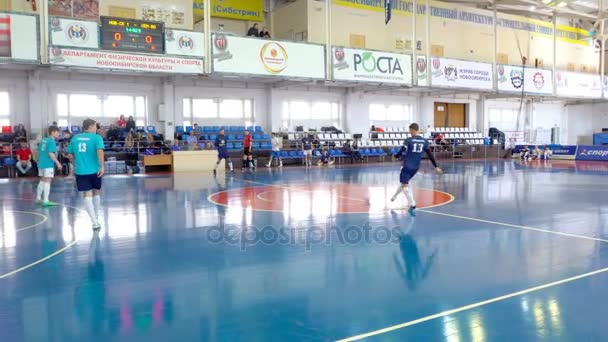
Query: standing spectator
[[196, 129], [307, 149], [264, 33], [192, 140], [121, 123], [253, 31], [24, 162], [130, 126], [248, 151], [20, 134]]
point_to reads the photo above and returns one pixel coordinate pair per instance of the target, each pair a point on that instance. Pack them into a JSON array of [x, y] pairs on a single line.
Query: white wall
[[357, 107], [584, 120], [289, 19], [16, 83]]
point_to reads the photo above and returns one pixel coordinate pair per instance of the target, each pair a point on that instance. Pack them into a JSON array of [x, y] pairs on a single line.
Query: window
[[193, 109], [392, 112], [4, 109], [298, 110], [503, 118], [73, 107]]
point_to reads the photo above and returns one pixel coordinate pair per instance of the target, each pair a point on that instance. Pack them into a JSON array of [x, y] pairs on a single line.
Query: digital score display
[[132, 35]]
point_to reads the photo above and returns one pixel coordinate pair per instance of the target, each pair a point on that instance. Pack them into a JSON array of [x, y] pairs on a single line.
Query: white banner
[[531, 80], [19, 37], [371, 66], [184, 43], [422, 71], [266, 57], [461, 74], [574, 84], [74, 33], [124, 61]]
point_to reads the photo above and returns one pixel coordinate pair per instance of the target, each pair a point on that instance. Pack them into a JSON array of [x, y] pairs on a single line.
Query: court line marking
[[471, 306], [515, 226], [44, 219], [54, 254]]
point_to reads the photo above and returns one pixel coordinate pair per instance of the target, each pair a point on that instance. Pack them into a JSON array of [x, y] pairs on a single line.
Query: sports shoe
[[49, 204], [96, 227], [267, 165], [281, 164], [393, 198], [412, 210], [214, 172]]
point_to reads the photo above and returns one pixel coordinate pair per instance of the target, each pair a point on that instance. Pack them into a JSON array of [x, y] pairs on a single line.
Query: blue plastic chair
[[179, 129], [231, 137], [75, 129], [316, 153], [293, 154], [151, 129], [284, 155], [208, 129], [188, 129], [240, 137], [300, 154], [258, 129]]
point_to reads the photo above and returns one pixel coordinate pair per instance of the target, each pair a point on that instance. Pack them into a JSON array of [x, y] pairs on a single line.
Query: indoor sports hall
[[303, 170]]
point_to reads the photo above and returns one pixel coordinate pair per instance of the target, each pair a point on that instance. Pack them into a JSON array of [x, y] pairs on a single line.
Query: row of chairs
[[452, 129], [78, 129], [463, 136], [216, 129], [9, 163], [230, 137], [393, 136]]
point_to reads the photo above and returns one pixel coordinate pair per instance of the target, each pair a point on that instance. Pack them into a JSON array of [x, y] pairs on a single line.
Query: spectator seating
[[234, 135]]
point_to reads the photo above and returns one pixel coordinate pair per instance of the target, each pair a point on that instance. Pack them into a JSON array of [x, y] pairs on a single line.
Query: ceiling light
[[546, 2], [562, 4], [532, 8]]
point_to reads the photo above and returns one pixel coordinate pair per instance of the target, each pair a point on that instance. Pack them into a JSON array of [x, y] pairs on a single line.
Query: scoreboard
[[121, 34]]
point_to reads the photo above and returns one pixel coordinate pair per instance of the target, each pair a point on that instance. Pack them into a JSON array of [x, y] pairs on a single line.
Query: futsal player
[[222, 151], [87, 151], [277, 142], [47, 161], [307, 150], [247, 151], [411, 151]]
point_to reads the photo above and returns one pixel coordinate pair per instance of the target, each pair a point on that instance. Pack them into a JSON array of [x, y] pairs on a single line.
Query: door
[[456, 115], [441, 114]]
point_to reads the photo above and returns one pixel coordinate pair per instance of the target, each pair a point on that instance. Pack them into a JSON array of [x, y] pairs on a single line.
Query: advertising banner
[[252, 10], [557, 151], [124, 61], [74, 33], [19, 38], [531, 80], [184, 43], [371, 66], [592, 152], [574, 84], [455, 73], [422, 71], [239, 55]]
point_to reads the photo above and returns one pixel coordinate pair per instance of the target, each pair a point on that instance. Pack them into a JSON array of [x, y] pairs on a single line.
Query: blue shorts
[[86, 183], [222, 154], [276, 154], [406, 175]]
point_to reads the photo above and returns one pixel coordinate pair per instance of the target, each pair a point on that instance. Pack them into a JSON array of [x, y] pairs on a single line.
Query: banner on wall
[[254, 56], [74, 33], [252, 10], [557, 151], [422, 71], [574, 84], [455, 73], [592, 152], [124, 61], [371, 66], [184, 43], [515, 78], [19, 37]]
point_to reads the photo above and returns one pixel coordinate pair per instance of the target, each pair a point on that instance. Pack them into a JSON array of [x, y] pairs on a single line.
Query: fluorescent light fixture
[[546, 2], [532, 8], [562, 4]]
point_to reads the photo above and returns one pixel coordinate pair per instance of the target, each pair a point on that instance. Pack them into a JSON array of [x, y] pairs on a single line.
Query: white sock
[[97, 206], [88, 206], [47, 191], [410, 196], [39, 191], [399, 189], [230, 165]]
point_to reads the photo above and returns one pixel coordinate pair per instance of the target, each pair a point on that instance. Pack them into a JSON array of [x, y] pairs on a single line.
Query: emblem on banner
[[421, 68], [340, 62], [77, 33], [517, 79], [185, 43], [56, 25], [220, 43], [169, 35], [274, 57], [501, 73], [539, 80], [437, 67], [57, 55], [451, 73]]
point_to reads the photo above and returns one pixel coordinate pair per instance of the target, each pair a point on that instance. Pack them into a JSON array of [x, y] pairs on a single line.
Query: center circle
[[337, 198]]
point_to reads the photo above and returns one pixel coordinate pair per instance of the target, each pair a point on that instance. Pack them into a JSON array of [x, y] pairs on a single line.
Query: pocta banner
[[371, 66], [74, 33], [239, 55], [592, 152], [123, 61], [184, 43], [19, 38], [574, 84], [530, 80], [455, 73]]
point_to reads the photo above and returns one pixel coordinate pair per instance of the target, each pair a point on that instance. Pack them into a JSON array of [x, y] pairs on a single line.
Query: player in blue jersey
[[86, 150], [222, 151], [411, 151], [47, 161]]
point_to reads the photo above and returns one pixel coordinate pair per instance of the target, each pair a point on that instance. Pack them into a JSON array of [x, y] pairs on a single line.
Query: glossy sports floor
[[503, 252]]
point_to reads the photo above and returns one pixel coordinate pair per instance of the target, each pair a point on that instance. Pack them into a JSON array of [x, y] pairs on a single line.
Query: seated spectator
[[130, 142], [325, 159], [441, 141], [130, 126], [525, 153], [356, 154], [122, 122], [372, 129], [264, 33], [113, 134], [546, 155], [253, 31], [66, 138], [538, 153], [348, 150], [24, 162], [20, 134], [196, 129]]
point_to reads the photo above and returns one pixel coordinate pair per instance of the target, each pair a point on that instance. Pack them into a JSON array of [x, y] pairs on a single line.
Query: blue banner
[[388, 11], [588, 152], [556, 150]]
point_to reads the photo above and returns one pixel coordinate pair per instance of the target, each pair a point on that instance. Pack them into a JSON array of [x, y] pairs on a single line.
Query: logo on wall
[[539, 80], [437, 67], [421, 68], [185, 43], [274, 57], [340, 56], [220, 43], [76, 33], [451, 73], [383, 64], [501, 73], [57, 55], [55, 25], [517, 79]]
